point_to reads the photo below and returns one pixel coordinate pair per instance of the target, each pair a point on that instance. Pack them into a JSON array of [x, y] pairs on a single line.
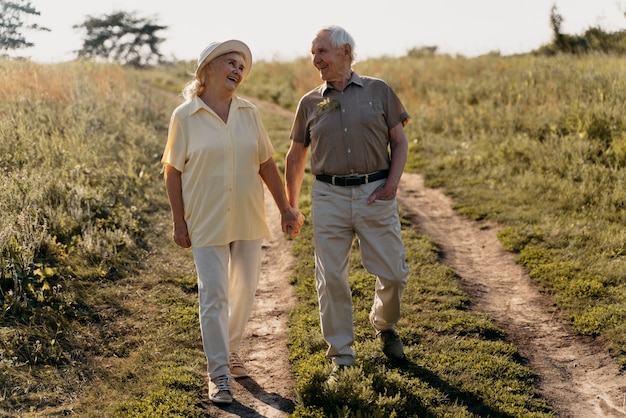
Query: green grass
[[459, 363], [535, 143], [80, 166]]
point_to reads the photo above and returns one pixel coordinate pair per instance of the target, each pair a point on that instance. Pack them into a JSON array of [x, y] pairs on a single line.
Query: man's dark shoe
[[392, 346]]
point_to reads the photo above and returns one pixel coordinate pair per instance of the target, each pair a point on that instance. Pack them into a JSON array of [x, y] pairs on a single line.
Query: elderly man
[[354, 126]]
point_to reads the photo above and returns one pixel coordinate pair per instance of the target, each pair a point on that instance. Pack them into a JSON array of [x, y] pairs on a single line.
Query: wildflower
[[326, 105]]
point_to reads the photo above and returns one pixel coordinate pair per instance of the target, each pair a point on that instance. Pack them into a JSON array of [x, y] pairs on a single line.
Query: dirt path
[[268, 392], [577, 376]]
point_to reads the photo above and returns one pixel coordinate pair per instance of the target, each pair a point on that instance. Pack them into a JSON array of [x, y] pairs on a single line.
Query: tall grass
[[538, 144], [78, 144], [535, 143]]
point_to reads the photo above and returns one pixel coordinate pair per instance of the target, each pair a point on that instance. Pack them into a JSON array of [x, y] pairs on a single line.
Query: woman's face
[[226, 71]]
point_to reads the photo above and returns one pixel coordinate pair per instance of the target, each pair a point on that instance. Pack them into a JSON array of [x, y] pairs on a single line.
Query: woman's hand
[[181, 234]]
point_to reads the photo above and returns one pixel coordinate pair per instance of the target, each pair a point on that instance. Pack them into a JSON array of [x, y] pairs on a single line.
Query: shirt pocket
[[371, 106], [371, 111]]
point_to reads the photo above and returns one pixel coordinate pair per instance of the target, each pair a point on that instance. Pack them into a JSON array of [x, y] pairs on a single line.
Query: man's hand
[[291, 221], [385, 192]]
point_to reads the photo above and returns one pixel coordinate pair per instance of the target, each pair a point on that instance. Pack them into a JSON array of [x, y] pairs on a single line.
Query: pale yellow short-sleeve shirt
[[223, 193]]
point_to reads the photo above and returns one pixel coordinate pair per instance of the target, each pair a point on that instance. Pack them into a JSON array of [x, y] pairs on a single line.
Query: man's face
[[330, 61]]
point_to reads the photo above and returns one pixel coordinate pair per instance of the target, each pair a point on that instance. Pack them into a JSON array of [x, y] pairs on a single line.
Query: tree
[[121, 37], [555, 22], [562, 42], [12, 22]]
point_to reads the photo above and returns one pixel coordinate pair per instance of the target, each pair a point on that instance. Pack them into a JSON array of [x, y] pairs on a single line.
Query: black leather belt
[[353, 180]]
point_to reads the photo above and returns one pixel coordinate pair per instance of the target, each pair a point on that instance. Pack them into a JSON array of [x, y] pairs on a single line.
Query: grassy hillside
[[79, 164], [537, 143], [534, 143]]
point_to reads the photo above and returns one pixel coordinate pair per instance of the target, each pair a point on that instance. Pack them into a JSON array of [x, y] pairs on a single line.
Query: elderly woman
[[217, 157]]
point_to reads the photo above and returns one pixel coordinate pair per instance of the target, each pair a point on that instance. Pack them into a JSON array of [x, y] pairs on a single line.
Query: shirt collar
[[196, 103], [354, 78]]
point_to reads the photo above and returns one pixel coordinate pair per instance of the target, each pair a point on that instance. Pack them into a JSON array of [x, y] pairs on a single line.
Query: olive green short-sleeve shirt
[[223, 193], [348, 131]]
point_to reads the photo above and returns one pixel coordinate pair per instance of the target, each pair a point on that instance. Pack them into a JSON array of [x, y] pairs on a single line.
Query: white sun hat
[[215, 49]]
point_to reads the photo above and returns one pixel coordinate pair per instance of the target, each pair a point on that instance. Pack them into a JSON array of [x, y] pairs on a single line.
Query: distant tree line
[[119, 37], [13, 16], [594, 39], [128, 39]]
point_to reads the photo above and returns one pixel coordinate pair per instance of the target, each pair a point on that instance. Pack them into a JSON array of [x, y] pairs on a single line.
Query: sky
[[283, 29]]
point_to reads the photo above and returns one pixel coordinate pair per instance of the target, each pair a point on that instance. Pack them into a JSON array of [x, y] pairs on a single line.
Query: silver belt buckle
[[353, 180]]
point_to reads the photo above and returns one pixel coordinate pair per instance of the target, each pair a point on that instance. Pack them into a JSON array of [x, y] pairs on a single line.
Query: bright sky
[[283, 29]]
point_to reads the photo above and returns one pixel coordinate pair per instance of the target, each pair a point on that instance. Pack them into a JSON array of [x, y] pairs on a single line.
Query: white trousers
[[340, 214], [228, 276]]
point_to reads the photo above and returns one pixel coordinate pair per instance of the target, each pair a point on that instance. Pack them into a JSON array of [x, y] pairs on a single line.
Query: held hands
[[291, 221]]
